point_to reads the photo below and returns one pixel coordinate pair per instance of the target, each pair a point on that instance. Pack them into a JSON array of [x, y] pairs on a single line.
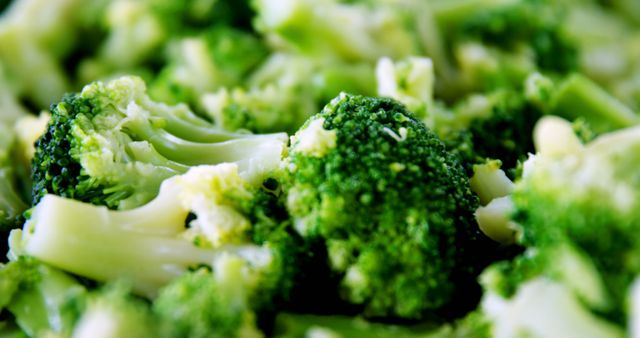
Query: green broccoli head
[[392, 205], [112, 145]]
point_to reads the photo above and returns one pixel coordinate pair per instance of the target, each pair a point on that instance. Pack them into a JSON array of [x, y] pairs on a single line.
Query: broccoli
[[150, 245], [216, 303], [586, 192], [112, 145], [496, 125], [112, 312], [293, 325], [218, 57], [331, 29], [493, 44], [38, 35], [233, 264], [284, 91], [41, 299], [576, 96], [393, 206], [12, 203]]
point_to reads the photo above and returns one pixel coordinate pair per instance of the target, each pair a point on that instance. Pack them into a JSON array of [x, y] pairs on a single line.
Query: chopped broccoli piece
[[112, 145], [393, 206]]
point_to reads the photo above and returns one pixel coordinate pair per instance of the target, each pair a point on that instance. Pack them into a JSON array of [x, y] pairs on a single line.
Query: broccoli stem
[[245, 151], [578, 96], [92, 241], [195, 129], [142, 244]]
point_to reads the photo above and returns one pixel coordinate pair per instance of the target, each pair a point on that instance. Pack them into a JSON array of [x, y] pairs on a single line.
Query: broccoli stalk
[[112, 145], [148, 245], [578, 97]]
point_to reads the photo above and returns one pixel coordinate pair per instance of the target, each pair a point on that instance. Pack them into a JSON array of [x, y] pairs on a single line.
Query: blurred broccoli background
[[319, 168]]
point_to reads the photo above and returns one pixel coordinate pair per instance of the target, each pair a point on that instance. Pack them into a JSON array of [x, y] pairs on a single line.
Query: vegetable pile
[[319, 168]]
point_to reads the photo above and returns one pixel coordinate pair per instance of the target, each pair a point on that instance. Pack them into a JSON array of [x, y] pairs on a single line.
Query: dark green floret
[[392, 205]]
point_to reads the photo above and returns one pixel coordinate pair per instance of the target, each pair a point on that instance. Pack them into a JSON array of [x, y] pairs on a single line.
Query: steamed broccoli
[[112, 312], [219, 57], [393, 206], [584, 195], [333, 29], [233, 260], [494, 43], [112, 145], [12, 203], [42, 300], [284, 91], [150, 245], [218, 303]]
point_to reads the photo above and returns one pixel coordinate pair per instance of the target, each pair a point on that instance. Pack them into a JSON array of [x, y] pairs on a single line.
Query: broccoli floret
[[494, 43], [284, 91], [409, 81], [37, 36], [12, 203], [112, 312], [112, 145], [43, 300], [534, 22], [216, 303], [393, 206], [150, 245], [588, 194], [219, 57], [544, 308], [334, 29], [497, 125]]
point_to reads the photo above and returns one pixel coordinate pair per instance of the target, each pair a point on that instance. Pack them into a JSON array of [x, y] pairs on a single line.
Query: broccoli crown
[[393, 206], [112, 145], [534, 22]]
